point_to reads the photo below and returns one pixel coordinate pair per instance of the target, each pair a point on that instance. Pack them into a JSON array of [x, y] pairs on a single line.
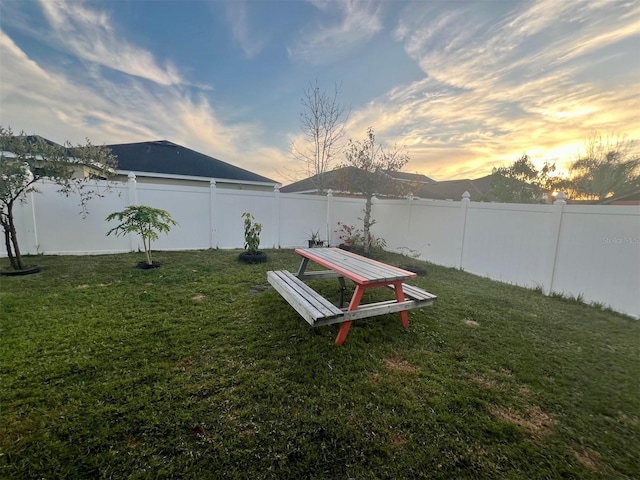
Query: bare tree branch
[[322, 122]]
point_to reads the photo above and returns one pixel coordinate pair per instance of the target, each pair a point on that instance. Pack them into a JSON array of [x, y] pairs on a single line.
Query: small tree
[[252, 231], [26, 159], [522, 182], [373, 162], [143, 220], [323, 125]]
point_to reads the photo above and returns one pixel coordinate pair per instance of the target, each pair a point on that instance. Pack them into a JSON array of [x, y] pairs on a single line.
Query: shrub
[[251, 234], [143, 220]]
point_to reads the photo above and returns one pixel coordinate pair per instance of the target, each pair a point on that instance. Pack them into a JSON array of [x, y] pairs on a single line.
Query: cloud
[[498, 84], [90, 35], [347, 26], [54, 103], [243, 33]]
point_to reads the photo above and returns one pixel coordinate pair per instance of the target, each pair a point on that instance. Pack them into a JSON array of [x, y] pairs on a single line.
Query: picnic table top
[[359, 269]]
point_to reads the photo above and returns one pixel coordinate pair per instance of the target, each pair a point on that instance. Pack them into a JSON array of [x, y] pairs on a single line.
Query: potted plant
[[146, 222], [314, 239], [252, 231]]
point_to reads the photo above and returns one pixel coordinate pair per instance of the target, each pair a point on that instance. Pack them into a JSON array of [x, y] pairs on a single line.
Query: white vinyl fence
[[588, 251]]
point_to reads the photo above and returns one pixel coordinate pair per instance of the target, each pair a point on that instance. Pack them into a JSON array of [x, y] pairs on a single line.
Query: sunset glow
[[465, 86]]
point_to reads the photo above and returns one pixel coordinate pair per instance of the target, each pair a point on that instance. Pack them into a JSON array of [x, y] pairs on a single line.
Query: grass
[[199, 369]]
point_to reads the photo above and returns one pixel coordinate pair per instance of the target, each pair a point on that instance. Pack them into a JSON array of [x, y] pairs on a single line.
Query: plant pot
[[345, 246], [417, 269], [258, 257], [28, 270], [147, 266], [315, 243]]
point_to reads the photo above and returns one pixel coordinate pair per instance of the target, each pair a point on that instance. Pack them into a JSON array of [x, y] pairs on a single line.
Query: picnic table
[[364, 272]]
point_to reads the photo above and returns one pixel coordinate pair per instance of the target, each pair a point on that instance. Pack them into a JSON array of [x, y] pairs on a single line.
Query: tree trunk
[[14, 241], [146, 242], [367, 224], [7, 243]]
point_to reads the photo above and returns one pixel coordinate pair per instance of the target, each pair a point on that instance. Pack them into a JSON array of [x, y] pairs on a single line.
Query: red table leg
[[353, 305], [404, 315]]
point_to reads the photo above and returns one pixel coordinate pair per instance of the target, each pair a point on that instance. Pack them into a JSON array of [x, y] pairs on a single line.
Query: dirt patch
[[589, 458], [235, 364], [258, 288], [185, 364], [375, 377], [534, 420], [471, 323], [630, 420], [199, 297], [133, 443], [485, 382], [397, 439], [400, 365], [501, 380], [524, 391]]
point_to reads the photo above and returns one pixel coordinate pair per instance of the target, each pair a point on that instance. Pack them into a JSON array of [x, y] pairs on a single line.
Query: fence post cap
[[561, 199]]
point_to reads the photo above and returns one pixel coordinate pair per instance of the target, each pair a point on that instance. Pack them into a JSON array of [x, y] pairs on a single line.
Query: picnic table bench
[[364, 272]]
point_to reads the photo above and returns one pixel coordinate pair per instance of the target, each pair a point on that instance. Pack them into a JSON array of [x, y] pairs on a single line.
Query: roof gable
[[166, 157], [453, 189], [344, 179]]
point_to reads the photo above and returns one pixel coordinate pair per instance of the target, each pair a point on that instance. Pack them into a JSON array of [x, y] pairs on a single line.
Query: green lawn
[[200, 370]]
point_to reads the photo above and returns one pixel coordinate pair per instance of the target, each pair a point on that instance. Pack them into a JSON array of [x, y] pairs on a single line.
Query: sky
[[464, 86]]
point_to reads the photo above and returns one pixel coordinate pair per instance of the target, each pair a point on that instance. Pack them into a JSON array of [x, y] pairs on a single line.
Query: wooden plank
[[293, 298], [382, 308], [309, 295], [299, 303], [371, 269], [360, 269], [373, 310], [379, 308], [307, 302], [416, 293], [319, 275]]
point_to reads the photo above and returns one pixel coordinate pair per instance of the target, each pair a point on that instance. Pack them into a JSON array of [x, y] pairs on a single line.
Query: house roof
[[410, 177], [334, 180], [629, 198], [167, 157], [34, 139], [453, 189], [342, 180]]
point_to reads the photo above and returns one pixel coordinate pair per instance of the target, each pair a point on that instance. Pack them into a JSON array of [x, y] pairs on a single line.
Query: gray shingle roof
[[166, 157], [344, 179]]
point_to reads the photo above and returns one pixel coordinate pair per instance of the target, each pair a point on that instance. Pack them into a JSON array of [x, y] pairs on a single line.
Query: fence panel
[[599, 256], [345, 210], [509, 242], [426, 229], [187, 205], [60, 229], [229, 207], [588, 251], [299, 216]]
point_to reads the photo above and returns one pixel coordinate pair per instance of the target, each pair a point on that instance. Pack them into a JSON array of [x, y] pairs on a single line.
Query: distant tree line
[[608, 167]]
